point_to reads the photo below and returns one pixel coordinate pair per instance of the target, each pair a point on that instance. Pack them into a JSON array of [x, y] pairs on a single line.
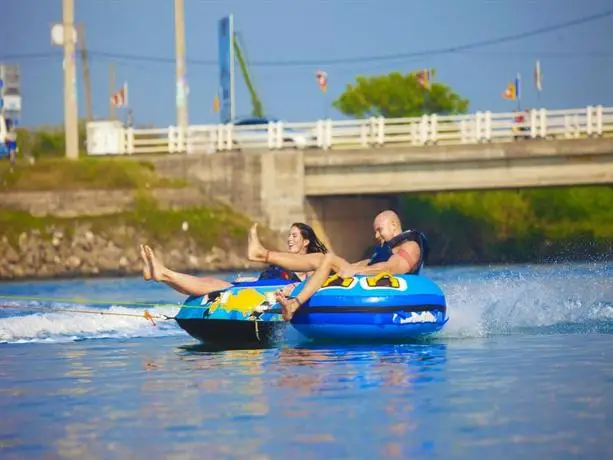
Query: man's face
[[384, 229]]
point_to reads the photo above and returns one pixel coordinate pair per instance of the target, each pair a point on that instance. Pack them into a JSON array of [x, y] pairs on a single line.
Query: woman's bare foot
[[255, 251], [146, 267], [155, 266], [288, 306]]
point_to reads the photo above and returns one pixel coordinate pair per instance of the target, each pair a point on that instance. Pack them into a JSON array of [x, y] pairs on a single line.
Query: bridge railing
[[479, 127]]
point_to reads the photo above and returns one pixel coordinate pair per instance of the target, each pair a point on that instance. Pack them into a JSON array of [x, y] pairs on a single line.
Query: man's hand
[[347, 271]]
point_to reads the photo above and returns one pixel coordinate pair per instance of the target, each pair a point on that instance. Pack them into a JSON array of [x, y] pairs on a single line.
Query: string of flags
[[513, 90], [120, 97], [538, 78], [424, 76], [512, 93], [322, 80]]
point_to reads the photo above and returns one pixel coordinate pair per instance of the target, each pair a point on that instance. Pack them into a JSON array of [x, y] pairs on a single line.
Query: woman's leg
[[314, 283], [181, 282]]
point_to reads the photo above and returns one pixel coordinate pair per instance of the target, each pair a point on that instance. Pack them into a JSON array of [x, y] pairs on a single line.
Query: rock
[[68, 251], [215, 256], [23, 240], [10, 255], [192, 261], [48, 254], [73, 262]]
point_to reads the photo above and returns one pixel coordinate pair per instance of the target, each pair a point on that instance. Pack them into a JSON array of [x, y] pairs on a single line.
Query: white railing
[[475, 128]]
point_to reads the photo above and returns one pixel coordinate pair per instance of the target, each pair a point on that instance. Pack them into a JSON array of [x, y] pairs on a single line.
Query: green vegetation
[[207, 226], [47, 141], [573, 223], [398, 95], [86, 173]]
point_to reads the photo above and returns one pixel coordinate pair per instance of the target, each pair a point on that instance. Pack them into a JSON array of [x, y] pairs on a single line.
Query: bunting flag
[[120, 98], [423, 78], [538, 78], [322, 80], [512, 93]]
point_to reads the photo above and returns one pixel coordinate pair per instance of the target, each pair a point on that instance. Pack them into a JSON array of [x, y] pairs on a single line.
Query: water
[[524, 369]]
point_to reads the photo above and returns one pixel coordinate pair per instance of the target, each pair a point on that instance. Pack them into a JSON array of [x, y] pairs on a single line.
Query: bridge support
[[345, 222], [281, 193]]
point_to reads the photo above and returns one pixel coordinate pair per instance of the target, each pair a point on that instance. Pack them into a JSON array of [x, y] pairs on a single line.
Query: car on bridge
[[252, 132]]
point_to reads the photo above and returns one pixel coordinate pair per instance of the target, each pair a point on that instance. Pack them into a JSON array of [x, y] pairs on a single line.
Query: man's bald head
[[389, 215], [386, 225]]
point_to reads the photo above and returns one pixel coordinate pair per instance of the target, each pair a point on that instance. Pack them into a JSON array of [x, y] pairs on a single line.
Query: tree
[[398, 95]]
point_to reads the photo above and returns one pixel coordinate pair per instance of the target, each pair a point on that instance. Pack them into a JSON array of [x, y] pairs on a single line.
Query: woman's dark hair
[[307, 232]]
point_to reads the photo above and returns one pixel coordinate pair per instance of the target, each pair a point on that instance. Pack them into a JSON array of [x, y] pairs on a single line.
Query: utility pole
[[86, 78], [111, 91], [181, 70], [71, 126]]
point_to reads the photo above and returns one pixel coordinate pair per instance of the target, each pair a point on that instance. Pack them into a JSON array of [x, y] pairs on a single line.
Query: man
[[399, 253]]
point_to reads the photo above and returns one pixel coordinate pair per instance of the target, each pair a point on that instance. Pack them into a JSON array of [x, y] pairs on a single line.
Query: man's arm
[[361, 263], [405, 259]]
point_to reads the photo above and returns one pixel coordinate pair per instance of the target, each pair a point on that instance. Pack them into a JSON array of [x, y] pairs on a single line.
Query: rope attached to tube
[[146, 314]]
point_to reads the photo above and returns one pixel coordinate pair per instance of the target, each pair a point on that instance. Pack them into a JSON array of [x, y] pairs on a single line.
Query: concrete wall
[[268, 186], [232, 178], [75, 203]]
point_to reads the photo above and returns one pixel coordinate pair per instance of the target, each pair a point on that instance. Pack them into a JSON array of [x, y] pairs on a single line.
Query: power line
[[356, 60]]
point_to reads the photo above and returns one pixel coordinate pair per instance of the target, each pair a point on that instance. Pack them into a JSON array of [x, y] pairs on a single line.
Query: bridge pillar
[[344, 223], [282, 189]]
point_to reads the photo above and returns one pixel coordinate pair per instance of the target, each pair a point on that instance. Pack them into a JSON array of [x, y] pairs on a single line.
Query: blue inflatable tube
[[379, 308]]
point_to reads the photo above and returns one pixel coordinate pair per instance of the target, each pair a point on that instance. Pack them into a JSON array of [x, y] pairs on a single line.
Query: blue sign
[[1, 83], [225, 39]]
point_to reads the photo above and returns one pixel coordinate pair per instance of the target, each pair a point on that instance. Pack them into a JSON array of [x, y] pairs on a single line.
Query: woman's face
[[295, 242]]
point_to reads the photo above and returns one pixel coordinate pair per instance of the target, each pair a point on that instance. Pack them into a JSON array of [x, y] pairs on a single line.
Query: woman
[[301, 239]]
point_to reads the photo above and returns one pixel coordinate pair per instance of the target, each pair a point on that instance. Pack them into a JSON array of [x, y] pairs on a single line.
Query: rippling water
[[524, 369]]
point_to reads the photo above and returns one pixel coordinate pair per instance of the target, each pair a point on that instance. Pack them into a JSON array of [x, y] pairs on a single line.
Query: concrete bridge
[[339, 192]]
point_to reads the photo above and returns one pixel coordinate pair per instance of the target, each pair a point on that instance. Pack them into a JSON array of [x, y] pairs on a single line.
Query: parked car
[[253, 131]]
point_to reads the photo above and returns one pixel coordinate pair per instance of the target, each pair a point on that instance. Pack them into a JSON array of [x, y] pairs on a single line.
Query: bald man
[[398, 253]]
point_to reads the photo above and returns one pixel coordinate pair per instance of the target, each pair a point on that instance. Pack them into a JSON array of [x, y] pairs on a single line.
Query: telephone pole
[[86, 79], [71, 127], [112, 90], [181, 70]]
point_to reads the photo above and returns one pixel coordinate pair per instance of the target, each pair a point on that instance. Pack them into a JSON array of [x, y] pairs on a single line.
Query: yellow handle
[[331, 279], [346, 282], [375, 279]]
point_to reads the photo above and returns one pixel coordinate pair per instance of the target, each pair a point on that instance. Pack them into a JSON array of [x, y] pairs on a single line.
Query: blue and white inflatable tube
[[374, 308], [381, 307]]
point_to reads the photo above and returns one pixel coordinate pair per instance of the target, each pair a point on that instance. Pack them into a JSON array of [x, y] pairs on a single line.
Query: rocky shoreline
[[80, 252]]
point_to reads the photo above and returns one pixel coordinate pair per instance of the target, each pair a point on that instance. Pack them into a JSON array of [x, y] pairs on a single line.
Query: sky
[[576, 62]]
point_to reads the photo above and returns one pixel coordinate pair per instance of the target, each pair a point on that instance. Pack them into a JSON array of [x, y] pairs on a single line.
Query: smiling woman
[[301, 239]]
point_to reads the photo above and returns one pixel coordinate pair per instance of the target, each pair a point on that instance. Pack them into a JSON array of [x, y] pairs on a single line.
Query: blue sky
[[577, 62]]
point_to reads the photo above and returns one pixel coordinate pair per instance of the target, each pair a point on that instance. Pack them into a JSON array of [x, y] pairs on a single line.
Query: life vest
[[384, 252], [275, 272]]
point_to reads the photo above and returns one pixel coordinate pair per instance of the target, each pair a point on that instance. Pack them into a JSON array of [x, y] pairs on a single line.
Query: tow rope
[[146, 314]]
